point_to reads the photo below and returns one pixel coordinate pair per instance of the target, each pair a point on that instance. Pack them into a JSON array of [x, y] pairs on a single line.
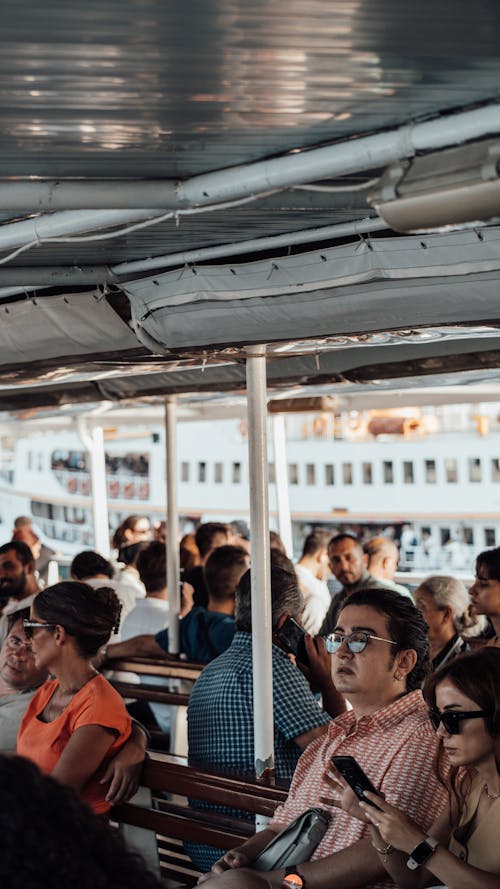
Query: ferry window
[[310, 474], [40, 462], [347, 473], [236, 473], [202, 472], [490, 537], [218, 474], [388, 472], [495, 472], [293, 473], [451, 469], [445, 535], [29, 460], [469, 536], [367, 473], [430, 472], [408, 472], [271, 473], [474, 469], [184, 471], [329, 474]]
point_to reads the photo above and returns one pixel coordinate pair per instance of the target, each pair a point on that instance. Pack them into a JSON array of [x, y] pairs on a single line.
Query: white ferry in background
[[429, 476]]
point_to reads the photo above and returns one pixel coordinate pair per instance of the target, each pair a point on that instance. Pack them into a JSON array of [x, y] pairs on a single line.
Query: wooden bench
[[170, 668], [164, 809]]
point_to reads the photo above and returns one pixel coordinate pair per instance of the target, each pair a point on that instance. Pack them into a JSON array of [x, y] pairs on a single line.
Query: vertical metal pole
[[174, 597], [93, 441], [261, 572], [281, 483]]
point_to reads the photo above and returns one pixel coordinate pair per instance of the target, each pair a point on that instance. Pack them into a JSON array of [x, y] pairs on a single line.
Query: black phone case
[[355, 777]]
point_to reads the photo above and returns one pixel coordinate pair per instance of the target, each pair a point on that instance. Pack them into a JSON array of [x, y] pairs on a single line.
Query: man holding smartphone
[[379, 654]]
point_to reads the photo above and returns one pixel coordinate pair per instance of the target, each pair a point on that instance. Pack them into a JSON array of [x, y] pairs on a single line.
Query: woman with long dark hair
[[485, 591], [76, 721], [462, 849]]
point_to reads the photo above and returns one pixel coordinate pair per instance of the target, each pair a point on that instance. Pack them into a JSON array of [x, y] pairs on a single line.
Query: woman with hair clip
[[462, 849], [76, 721]]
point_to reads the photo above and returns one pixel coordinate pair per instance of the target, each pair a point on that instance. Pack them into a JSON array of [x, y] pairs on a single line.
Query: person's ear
[[405, 661], [30, 567], [60, 634], [446, 614]]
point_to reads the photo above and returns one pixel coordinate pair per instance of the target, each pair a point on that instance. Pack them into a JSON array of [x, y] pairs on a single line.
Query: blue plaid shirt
[[220, 719]]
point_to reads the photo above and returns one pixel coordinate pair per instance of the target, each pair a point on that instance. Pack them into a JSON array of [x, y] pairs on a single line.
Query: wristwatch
[[292, 879], [421, 852]]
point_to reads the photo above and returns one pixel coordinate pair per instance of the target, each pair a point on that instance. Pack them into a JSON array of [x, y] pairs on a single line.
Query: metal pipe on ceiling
[[295, 168], [66, 222]]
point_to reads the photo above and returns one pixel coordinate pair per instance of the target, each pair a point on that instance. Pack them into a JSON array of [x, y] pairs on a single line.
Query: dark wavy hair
[[128, 524], [407, 628], [49, 838], [86, 613], [477, 675]]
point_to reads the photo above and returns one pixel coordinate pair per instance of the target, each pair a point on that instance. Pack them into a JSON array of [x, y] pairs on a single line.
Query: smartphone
[[291, 635], [355, 777]]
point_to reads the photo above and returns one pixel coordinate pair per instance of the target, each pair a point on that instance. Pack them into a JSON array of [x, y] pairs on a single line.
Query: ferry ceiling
[[181, 181]]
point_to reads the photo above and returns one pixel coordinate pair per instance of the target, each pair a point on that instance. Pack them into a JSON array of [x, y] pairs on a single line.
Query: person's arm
[[83, 754], [355, 866], [305, 739], [319, 675], [124, 770], [241, 856], [391, 826], [138, 646]]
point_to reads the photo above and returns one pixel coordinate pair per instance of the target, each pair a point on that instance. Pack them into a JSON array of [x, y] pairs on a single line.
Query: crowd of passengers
[[408, 683]]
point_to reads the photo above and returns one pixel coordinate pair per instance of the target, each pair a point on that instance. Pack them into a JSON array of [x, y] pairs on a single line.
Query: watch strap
[[292, 878], [421, 853]]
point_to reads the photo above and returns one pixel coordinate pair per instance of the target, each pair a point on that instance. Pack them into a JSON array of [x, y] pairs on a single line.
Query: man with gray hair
[[445, 606]]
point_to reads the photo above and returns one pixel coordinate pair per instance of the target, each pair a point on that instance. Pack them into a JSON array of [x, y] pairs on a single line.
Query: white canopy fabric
[[372, 284]]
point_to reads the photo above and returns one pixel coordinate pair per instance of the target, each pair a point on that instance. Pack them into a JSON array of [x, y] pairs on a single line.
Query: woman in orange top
[[76, 722]]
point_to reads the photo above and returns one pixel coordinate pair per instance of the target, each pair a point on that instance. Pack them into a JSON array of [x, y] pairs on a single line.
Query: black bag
[[295, 843]]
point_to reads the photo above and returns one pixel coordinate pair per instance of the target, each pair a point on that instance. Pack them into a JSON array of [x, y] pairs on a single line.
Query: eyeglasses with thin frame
[[30, 625], [356, 642], [451, 719]]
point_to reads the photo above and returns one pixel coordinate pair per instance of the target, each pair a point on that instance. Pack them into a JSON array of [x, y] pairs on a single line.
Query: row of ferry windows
[[344, 474]]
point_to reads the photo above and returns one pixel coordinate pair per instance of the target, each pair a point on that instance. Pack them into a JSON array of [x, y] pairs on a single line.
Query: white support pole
[[281, 483], [172, 524], [261, 569], [93, 441]]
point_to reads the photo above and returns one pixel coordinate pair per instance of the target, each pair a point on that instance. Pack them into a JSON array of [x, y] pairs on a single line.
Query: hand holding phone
[[291, 635], [356, 778]]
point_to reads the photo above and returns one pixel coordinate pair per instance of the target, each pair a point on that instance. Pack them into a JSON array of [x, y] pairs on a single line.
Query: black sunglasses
[[452, 718], [30, 625]]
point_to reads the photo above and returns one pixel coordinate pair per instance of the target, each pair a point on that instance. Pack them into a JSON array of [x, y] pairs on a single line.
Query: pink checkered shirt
[[396, 747]]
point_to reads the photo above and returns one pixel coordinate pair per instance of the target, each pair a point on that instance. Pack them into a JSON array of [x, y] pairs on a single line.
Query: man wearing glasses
[[379, 657], [19, 679]]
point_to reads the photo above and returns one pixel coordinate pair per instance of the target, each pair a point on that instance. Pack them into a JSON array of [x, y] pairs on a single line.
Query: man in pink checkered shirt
[[379, 660]]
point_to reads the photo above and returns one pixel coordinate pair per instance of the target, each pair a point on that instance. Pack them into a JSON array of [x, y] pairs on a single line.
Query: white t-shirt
[[148, 616], [316, 597]]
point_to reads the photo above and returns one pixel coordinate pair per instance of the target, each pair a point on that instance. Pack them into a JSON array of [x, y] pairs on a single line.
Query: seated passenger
[[348, 563], [485, 591], [461, 848], [446, 608], [19, 680], [76, 721], [220, 709], [49, 838], [92, 568], [204, 632], [312, 569], [208, 536], [382, 562], [379, 660]]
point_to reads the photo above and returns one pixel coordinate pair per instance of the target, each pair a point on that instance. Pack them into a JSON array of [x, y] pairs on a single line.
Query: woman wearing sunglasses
[[76, 721], [461, 850]]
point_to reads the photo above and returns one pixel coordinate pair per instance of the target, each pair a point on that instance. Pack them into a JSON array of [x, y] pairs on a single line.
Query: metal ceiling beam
[[295, 168]]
